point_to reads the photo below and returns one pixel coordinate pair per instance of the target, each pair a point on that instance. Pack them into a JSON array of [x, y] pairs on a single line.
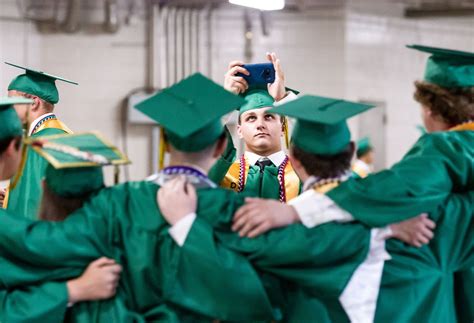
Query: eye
[[269, 117], [250, 118]]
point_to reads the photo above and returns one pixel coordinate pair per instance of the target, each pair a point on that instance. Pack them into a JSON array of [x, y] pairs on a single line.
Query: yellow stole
[[53, 123], [464, 126], [323, 189], [231, 179]]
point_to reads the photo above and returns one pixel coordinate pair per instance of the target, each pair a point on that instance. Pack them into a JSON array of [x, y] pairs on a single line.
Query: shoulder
[[49, 132]]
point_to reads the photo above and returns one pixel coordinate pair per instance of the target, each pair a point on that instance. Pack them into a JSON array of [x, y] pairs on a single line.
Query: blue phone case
[[260, 74]]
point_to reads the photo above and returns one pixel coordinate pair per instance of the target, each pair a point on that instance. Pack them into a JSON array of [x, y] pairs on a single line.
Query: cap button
[[190, 102]]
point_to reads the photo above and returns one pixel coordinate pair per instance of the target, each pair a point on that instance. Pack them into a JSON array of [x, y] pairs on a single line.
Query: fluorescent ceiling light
[[260, 4]]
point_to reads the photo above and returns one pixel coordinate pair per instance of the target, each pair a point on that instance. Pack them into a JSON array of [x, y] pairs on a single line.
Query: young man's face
[[261, 131]]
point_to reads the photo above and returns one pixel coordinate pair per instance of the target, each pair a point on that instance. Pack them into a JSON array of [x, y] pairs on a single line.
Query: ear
[[35, 106], [239, 131], [293, 160], [220, 147]]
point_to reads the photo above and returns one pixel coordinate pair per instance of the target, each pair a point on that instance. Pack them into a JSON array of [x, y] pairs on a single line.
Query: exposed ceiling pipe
[[72, 23], [111, 10]]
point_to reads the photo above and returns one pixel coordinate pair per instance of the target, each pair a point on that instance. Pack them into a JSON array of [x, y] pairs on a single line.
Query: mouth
[[261, 135]]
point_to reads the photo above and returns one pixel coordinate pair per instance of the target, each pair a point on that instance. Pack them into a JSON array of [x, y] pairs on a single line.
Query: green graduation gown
[[438, 164], [25, 198], [418, 284], [124, 223], [21, 305]]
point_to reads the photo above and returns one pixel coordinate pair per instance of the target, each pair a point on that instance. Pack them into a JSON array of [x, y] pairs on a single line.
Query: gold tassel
[[285, 131], [19, 173], [162, 150], [116, 174]]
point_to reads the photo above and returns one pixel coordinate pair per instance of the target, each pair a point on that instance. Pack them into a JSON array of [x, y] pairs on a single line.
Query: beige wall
[[327, 52]]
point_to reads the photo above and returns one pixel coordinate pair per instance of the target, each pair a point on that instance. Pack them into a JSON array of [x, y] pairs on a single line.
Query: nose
[[260, 124]]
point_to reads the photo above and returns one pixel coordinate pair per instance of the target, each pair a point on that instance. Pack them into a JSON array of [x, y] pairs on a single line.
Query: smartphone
[[260, 74]]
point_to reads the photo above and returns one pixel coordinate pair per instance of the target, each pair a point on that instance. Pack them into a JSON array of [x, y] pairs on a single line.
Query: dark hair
[[454, 106], [4, 143], [363, 152], [325, 166], [57, 208]]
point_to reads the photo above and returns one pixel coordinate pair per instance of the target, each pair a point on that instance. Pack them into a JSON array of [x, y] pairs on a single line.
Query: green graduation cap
[[448, 68], [363, 146], [256, 99], [10, 124], [75, 162], [190, 111], [37, 83], [321, 126]]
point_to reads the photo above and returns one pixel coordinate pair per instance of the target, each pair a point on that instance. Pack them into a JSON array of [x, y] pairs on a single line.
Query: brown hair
[[325, 166], [56, 208], [4, 143], [454, 106]]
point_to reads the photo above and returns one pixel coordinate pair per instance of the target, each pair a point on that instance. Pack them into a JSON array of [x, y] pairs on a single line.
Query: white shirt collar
[[276, 158], [35, 122]]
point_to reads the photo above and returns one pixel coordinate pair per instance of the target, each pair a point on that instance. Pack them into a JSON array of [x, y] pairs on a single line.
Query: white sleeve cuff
[[315, 209], [290, 96], [180, 230]]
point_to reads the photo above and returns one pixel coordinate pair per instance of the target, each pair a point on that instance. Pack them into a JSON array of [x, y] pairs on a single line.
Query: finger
[[238, 69], [235, 63], [417, 244], [251, 224], [262, 228], [102, 261], [239, 80], [239, 86], [429, 223], [427, 233], [191, 191], [244, 220], [268, 55], [243, 211], [423, 239], [278, 69], [116, 269]]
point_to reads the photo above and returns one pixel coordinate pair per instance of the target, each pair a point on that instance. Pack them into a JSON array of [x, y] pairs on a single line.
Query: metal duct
[[72, 23], [111, 11]]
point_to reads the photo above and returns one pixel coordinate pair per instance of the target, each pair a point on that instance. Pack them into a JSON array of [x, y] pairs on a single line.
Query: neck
[[263, 152], [202, 165]]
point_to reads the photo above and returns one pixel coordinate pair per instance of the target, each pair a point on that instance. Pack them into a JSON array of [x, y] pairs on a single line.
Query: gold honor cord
[[162, 150], [285, 131]]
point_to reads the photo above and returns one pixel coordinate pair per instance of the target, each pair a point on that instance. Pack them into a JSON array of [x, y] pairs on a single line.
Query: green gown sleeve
[[222, 165], [24, 199], [21, 305], [437, 165], [33, 251], [424, 279]]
